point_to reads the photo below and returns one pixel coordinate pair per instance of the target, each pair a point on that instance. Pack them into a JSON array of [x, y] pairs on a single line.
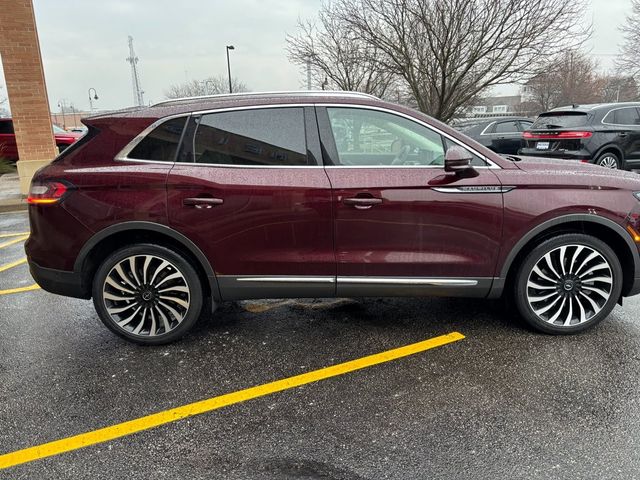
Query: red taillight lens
[[558, 135], [46, 193]]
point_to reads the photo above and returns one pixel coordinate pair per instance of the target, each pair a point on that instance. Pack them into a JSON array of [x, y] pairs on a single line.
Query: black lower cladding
[[60, 282]]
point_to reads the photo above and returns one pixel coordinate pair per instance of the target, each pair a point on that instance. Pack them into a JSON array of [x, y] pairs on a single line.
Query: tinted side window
[[369, 138], [6, 127], [506, 127], [269, 136], [525, 125], [626, 116], [162, 143]]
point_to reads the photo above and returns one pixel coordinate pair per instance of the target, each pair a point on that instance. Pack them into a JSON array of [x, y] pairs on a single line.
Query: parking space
[[501, 403]]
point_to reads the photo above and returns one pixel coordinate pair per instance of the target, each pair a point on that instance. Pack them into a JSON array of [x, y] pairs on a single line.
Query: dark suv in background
[[158, 211], [604, 134], [500, 134]]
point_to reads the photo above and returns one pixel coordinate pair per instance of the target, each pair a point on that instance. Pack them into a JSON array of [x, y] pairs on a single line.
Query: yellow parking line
[[12, 264], [167, 416], [15, 240], [35, 286], [19, 234]]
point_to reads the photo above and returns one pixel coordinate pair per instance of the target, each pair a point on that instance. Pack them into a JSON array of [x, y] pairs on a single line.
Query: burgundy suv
[[159, 211]]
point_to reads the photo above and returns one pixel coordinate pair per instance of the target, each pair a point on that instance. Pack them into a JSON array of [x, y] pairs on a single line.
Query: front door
[[402, 224], [249, 190]]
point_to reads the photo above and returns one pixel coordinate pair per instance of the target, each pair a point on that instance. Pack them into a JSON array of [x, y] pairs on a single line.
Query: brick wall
[[24, 76]]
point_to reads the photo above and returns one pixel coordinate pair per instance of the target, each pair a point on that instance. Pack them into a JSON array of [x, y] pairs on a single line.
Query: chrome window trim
[[620, 124], [491, 165], [122, 155], [485, 129]]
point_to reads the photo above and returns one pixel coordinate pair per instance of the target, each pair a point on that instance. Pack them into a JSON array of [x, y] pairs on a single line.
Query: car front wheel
[[148, 294], [568, 284]]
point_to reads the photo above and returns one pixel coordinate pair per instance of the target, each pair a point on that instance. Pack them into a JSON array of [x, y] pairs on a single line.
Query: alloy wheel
[[146, 295], [569, 285], [608, 161]]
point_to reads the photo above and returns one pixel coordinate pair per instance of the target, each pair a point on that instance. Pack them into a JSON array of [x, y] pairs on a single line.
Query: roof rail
[[319, 93]]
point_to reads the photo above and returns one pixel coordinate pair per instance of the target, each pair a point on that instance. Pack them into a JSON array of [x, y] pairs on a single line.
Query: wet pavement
[[502, 403]]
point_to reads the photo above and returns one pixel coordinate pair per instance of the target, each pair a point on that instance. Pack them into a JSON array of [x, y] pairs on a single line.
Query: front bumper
[[59, 282]]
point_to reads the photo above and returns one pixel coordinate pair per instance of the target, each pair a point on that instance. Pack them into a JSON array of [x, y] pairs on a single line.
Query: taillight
[[559, 135], [46, 193]]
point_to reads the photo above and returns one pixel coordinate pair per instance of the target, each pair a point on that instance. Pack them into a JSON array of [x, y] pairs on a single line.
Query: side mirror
[[457, 160]]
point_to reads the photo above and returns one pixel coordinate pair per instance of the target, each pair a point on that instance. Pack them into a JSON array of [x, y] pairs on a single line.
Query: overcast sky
[[84, 44]]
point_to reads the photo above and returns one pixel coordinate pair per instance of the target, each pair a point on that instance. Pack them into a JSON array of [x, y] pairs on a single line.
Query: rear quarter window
[[161, 144]]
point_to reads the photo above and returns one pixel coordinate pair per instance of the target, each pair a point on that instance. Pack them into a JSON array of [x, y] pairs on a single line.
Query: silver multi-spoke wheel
[[569, 285], [146, 295], [608, 161]]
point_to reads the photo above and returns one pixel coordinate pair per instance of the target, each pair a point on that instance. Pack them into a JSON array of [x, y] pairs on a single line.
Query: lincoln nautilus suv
[[161, 211]]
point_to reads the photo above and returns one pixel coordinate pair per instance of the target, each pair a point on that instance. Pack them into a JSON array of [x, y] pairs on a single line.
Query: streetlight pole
[[229, 47], [64, 120], [91, 99]]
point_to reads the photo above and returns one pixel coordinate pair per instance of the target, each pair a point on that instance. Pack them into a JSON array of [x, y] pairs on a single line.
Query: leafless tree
[[616, 88], [208, 86], [338, 58], [628, 63], [569, 78], [449, 51]]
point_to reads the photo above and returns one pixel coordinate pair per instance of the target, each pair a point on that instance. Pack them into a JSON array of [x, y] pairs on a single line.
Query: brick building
[[26, 89]]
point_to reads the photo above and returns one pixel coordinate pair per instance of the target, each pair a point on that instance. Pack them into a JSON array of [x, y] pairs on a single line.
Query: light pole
[[61, 104], [229, 47], [91, 99]]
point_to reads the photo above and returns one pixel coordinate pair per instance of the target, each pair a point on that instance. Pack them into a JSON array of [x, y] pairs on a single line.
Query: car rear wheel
[[147, 294], [568, 284], [608, 160]]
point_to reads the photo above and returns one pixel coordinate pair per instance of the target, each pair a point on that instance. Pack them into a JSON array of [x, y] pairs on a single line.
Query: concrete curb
[[13, 205]]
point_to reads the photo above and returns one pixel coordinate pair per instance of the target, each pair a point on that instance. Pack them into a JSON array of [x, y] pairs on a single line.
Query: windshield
[[560, 120]]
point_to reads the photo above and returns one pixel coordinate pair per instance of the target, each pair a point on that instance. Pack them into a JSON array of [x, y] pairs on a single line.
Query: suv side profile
[[604, 134], [158, 211], [500, 134]]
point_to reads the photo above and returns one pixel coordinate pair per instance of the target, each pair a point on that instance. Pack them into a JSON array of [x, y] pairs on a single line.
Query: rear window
[[560, 120], [161, 144]]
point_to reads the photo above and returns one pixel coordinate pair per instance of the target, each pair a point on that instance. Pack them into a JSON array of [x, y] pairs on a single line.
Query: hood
[[574, 172]]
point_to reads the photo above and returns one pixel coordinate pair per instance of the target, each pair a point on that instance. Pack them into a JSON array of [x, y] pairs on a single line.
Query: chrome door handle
[[204, 202], [362, 203]]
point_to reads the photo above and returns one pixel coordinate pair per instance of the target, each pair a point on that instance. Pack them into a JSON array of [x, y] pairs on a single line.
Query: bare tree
[[338, 58], [569, 78], [208, 86], [616, 88], [450, 51], [628, 63]]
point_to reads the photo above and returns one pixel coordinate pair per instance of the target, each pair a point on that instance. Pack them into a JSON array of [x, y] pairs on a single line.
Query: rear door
[[626, 123], [249, 191], [507, 137]]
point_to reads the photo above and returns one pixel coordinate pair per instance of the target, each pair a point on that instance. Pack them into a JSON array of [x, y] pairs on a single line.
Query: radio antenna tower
[[135, 76]]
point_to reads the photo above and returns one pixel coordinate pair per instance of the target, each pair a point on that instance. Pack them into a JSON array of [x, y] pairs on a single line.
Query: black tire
[[161, 287], [608, 159], [569, 290]]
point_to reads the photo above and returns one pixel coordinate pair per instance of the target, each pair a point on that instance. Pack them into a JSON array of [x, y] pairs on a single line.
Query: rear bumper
[[59, 282], [580, 155]]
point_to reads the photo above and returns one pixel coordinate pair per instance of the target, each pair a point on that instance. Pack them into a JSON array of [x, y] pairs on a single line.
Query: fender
[[151, 227], [499, 282], [610, 146]]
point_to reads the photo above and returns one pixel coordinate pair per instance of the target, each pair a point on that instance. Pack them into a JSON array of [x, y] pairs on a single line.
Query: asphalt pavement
[[501, 403]]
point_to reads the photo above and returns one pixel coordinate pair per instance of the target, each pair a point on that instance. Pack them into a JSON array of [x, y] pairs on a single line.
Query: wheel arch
[[111, 238], [611, 147], [600, 227]]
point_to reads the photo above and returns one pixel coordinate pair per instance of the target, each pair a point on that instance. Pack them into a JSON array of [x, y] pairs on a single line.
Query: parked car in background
[[604, 134], [9, 148], [500, 134], [161, 210]]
